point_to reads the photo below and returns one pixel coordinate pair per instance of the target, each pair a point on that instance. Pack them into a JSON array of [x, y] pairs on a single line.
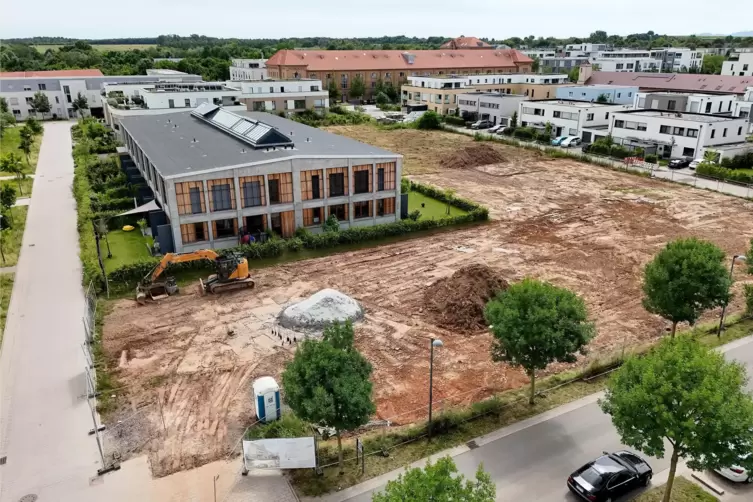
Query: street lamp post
[[435, 342], [724, 307]]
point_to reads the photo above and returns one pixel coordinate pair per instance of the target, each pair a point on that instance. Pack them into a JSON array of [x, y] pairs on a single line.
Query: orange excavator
[[231, 272]]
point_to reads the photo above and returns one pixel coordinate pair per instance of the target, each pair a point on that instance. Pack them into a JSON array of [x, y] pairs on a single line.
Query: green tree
[[4, 105], [40, 103], [391, 92], [689, 396], [11, 163], [6, 120], [438, 482], [710, 156], [602, 98], [80, 104], [382, 98], [7, 200], [514, 120], [429, 120], [334, 92], [573, 74], [340, 335], [712, 64], [34, 126], [548, 129], [330, 386], [25, 144], [536, 64], [535, 323], [686, 278], [357, 87], [331, 224]]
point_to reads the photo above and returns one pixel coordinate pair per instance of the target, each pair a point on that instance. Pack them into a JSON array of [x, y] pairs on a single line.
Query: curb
[[701, 478]]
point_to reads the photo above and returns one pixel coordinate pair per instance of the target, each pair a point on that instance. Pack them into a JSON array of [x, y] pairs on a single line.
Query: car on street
[[679, 163], [610, 476], [481, 124], [495, 128], [737, 473], [556, 141], [586, 148], [570, 141], [694, 163]]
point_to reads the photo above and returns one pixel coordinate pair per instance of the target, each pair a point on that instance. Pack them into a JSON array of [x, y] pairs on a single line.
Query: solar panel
[[225, 119], [242, 127], [205, 109], [257, 132]]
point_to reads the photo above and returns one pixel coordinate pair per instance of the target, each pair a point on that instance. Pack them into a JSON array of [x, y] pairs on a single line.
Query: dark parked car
[[610, 476], [586, 148], [679, 163]]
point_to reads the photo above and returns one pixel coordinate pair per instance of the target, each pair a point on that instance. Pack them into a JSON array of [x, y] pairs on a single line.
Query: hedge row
[[85, 215], [714, 171], [453, 120], [448, 198]]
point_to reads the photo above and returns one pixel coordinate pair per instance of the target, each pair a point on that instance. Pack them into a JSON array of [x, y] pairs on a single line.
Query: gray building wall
[[661, 102]]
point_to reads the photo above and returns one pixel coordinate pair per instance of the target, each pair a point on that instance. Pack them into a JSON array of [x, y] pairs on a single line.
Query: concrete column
[[238, 200], [268, 216], [373, 191], [350, 191], [297, 196], [210, 231]]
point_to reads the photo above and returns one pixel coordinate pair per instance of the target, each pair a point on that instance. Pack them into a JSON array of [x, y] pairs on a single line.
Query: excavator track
[[219, 287]]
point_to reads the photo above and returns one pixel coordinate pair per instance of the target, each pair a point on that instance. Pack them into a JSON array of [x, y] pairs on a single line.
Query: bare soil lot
[[579, 226]]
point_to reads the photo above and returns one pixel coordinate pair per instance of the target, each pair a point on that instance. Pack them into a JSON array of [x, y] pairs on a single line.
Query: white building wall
[[567, 120], [743, 67], [158, 100]]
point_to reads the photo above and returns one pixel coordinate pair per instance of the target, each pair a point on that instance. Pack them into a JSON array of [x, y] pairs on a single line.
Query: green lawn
[[126, 247], [6, 287], [432, 208], [746, 171], [9, 143], [683, 490], [12, 244], [25, 188]]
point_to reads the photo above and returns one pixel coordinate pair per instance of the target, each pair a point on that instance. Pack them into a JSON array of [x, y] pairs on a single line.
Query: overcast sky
[[347, 18]]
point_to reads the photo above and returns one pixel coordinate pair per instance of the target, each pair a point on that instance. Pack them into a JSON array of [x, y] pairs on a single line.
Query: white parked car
[[693, 164], [736, 473], [495, 128], [570, 141]]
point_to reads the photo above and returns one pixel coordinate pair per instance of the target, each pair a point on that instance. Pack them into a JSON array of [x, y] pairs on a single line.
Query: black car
[[610, 476], [679, 163], [585, 148]]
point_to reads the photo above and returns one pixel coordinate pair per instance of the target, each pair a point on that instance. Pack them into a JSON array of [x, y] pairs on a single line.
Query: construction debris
[[458, 301], [473, 156], [321, 309]]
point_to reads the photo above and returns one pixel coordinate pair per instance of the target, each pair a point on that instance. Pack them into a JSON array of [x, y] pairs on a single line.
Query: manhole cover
[[28, 498]]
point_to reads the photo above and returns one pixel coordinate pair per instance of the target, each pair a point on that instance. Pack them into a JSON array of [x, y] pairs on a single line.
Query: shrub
[[508, 131], [714, 171], [429, 120], [742, 161], [543, 137], [619, 152], [653, 159], [288, 426], [524, 133], [414, 215], [453, 120], [749, 300]]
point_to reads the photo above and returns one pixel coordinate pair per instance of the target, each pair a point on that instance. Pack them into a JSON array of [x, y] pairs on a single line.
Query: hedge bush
[[714, 171], [651, 158], [523, 133], [453, 120], [742, 161]]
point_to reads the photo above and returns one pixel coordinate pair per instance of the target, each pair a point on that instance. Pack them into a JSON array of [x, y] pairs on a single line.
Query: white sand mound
[[321, 309]]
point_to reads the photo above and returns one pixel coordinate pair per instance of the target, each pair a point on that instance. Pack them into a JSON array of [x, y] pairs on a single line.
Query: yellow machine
[[231, 272]]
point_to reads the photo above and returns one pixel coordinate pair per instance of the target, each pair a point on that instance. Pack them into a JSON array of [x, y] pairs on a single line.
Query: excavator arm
[[170, 258]]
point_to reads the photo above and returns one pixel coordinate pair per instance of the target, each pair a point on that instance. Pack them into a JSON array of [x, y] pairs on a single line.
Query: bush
[[453, 120], [524, 133], [429, 120], [414, 215], [543, 137], [749, 300], [651, 158], [714, 171], [508, 131], [620, 152], [742, 161], [288, 426]]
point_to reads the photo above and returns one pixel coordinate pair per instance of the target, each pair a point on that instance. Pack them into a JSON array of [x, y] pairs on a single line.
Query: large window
[[311, 185], [224, 229], [665, 129], [194, 232], [385, 206], [280, 188], [221, 194], [252, 191], [693, 133], [386, 176], [688, 152], [362, 179], [313, 216], [338, 181], [299, 104], [362, 209], [340, 211], [190, 197]]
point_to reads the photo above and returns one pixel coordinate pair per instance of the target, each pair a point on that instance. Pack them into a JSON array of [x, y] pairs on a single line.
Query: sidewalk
[[684, 176]]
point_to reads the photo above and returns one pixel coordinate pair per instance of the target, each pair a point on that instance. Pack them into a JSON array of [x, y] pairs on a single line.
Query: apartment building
[[495, 107], [584, 50], [679, 134], [616, 94], [248, 69], [217, 175], [739, 64], [287, 95], [563, 64], [541, 53], [440, 93], [461, 43], [568, 117], [628, 60], [63, 86], [710, 104], [391, 66], [682, 59]]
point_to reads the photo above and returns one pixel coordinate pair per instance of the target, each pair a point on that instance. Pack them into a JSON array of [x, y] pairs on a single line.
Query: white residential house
[[568, 117], [248, 69], [587, 50], [743, 108], [496, 107], [682, 59], [710, 104], [630, 60], [616, 94], [283, 95], [678, 134], [739, 64]]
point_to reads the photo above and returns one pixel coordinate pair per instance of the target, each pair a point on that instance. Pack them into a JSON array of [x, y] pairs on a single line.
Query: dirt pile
[[320, 310], [457, 302], [474, 156]]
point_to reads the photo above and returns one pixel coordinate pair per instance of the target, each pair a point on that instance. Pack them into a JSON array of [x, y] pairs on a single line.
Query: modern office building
[[216, 175], [616, 94], [248, 69]]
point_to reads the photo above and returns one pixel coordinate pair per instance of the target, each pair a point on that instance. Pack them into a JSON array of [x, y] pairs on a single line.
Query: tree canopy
[[685, 279], [438, 482], [357, 87], [689, 396], [535, 323]]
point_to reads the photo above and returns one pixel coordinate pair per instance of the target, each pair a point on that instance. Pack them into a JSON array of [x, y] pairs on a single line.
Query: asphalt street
[[533, 463]]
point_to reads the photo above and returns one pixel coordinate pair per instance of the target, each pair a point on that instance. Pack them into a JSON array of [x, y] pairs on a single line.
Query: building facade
[[710, 104], [677, 134], [63, 86], [462, 42], [391, 66], [627, 60], [495, 107], [218, 175], [617, 94], [286, 96], [248, 69], [739, 64], [568, 117]]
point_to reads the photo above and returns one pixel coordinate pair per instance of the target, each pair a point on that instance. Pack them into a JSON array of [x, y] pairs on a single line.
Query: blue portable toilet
[[267, 399]]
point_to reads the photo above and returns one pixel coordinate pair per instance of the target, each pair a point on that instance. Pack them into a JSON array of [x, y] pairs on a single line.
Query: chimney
[[585, 72]]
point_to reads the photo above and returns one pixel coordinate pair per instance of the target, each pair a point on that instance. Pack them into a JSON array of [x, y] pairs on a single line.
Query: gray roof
[[174, 153]]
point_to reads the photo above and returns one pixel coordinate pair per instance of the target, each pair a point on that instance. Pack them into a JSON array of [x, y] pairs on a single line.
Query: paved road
[[43, 419], [533, 463]]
